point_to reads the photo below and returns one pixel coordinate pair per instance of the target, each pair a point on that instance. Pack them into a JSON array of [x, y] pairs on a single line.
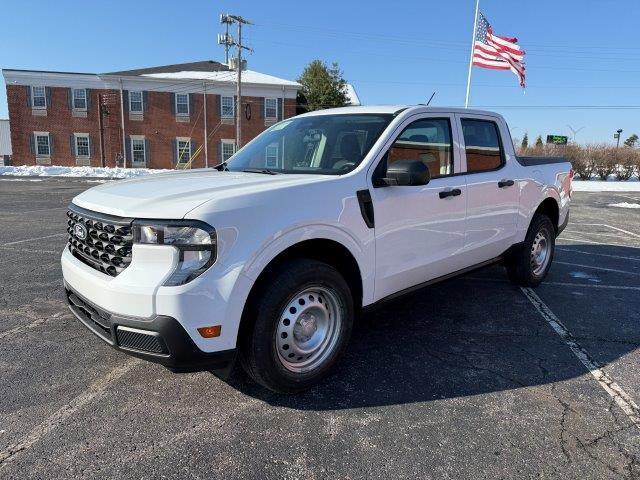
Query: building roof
[[248, 76], [203, 66], [205, 70], [169, 78], [5, 138], [352, 95]]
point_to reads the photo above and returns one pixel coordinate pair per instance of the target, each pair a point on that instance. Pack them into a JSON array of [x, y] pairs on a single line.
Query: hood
[[172, 195]]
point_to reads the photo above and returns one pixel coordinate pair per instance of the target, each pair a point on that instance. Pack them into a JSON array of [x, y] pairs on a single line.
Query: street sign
[[557, 139]]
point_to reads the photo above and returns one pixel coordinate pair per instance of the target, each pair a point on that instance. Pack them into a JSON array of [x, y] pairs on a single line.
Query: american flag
[[496, 52]]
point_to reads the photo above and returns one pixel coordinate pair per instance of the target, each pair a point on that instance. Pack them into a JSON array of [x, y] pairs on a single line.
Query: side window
[[482, 145], [427, 140]]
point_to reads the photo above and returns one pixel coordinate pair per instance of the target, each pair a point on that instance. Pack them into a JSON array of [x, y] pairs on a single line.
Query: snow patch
[[81, 172], [625, 205], [607, 186], [248, 76]]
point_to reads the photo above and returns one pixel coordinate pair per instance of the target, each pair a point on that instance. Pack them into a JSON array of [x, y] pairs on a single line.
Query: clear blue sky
[[580, 53]]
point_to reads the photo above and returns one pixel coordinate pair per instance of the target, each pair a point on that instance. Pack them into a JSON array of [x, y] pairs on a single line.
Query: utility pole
[[206, 146], [101, 111], [617, 136], [236, 62]]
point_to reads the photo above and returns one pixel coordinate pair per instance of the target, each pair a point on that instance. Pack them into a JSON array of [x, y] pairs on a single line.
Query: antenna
[[431, 98]]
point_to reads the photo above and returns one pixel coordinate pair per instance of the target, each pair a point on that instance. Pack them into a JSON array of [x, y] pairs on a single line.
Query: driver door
[[420, 230]]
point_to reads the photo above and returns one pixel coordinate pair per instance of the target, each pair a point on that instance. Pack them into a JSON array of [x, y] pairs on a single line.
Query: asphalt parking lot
[[472, 378]]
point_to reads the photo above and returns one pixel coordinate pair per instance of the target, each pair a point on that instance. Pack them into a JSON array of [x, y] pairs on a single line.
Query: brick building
[[163, 117]]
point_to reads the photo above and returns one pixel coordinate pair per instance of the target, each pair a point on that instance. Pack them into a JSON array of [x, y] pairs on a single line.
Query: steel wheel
[[540, 253], [308, 329]]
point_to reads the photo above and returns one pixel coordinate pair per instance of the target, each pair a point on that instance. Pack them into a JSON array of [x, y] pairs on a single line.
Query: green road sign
[[557, 139]]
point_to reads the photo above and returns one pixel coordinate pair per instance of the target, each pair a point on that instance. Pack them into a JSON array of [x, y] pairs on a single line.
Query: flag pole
[[473, 42]]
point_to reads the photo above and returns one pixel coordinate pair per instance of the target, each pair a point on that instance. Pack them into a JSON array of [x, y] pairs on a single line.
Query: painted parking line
[[583, 252], [592, 267], [35, 323], [95, 390], [600, 234], [33, 239], [622, 399], [32, 211], [29, 250], [558, 284], [591, 242], [611, 227]]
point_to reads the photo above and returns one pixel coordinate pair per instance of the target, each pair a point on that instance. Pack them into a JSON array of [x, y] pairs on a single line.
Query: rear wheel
[[301, 325], [528, 265]]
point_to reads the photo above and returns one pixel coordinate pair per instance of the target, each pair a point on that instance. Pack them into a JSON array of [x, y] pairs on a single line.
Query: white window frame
[[142, 139], [275, 146], [73, 99], [227, 142], [178, 155], [131, 110], [233, 107], [33, 97], [35, 144], [78, 136], [188, 112], [275, 108]]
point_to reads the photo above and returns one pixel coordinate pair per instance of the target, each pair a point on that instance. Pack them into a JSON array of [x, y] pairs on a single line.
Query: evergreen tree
[[631, 141], [322, 87], [539, 143], [525, 142]]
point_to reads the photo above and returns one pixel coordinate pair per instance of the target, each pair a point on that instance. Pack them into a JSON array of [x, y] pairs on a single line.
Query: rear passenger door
[[492, 189], [419, 229]]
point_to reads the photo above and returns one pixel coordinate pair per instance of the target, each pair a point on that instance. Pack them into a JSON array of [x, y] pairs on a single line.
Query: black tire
[[519, 264], [260, 353]]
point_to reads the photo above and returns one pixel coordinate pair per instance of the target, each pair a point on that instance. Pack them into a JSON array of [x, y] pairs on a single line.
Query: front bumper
[[159, 339]]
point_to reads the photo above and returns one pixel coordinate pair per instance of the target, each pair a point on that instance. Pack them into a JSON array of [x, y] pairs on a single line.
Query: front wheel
[[529, 265], [301, 325]]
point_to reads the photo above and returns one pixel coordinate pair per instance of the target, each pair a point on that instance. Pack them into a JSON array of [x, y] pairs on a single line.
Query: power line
[[415, 41]]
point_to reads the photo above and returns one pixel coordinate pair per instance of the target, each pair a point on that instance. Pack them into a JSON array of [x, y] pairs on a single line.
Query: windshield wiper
[[265, 171]]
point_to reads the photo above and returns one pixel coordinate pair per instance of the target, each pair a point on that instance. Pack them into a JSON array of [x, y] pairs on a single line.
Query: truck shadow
[[473, 335]]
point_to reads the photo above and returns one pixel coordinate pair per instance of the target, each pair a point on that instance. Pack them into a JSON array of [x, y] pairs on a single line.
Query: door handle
[[505, 183], [450, 193]]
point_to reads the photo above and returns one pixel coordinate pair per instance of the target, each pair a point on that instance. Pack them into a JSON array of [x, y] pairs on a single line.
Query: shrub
[[605, 160], [628, 161], [590, 160], [581, 160], [636, 161]]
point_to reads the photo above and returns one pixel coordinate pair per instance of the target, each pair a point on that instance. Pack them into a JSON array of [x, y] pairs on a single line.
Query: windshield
[[323, 144]]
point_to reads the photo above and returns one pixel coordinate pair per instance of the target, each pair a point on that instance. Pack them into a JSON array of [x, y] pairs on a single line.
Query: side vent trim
[[366, 207]]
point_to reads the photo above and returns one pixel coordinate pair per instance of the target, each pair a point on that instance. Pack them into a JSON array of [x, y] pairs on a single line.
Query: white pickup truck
[[271, 255]]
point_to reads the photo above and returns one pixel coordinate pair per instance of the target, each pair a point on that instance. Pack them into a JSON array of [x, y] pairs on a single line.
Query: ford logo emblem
[[80, 231]]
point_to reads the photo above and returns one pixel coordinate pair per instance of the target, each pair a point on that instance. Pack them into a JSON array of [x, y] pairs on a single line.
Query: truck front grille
[[107, 241]]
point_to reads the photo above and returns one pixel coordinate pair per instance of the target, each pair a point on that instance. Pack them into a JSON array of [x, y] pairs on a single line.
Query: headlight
[[195, 241]]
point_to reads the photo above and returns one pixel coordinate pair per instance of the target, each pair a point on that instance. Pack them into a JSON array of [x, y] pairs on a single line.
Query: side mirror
[[407, 173]]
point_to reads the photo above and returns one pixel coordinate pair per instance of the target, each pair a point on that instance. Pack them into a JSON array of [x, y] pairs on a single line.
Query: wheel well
[[549, 207], [323, 250]]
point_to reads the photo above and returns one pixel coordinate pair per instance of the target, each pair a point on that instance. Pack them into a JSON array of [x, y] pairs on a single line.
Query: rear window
[[482, 145]]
